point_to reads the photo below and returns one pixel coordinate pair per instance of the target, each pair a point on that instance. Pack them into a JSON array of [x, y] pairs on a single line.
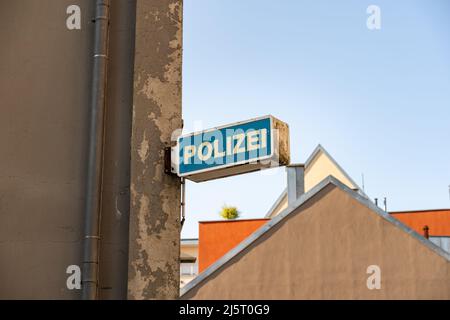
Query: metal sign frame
[[202, 174]]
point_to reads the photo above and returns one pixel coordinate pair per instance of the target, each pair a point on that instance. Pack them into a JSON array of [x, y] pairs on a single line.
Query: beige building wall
[[320, 168], [322, 251]]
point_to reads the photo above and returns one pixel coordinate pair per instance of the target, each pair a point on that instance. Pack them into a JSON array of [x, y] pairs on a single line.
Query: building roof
[[318, 150], [421, 211], [189, 241], [187, 258], [232, 220], [293, 208], [438, 221]]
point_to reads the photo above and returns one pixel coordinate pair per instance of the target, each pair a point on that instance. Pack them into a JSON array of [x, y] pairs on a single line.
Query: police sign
[[232, 149]]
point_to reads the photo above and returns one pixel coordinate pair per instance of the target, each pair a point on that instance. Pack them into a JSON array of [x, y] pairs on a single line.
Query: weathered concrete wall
[[155, 196], [323, 250]]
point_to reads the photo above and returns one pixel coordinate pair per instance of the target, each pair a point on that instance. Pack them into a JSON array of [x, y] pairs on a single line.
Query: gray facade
[[45, 90]]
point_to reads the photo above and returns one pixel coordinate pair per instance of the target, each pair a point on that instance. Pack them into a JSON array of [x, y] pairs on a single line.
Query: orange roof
[[438, 221], [216, 238]]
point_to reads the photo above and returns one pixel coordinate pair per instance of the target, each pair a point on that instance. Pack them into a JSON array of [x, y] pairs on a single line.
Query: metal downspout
[[95, 156]]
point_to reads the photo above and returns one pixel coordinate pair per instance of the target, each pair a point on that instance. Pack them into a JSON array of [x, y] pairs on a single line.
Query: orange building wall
[[438, 221], [216, 238]]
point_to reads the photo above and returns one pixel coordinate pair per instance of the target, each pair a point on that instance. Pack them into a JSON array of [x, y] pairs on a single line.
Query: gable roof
[[330, 180], [317, 151]]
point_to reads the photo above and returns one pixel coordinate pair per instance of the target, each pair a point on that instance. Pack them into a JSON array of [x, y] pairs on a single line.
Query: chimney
[[426, 233], [295, 181]]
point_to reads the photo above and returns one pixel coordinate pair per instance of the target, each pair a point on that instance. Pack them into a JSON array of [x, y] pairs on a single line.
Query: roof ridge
[[319, 148]]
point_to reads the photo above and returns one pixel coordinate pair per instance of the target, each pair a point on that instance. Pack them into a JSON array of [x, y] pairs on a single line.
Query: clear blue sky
[[377, 100]]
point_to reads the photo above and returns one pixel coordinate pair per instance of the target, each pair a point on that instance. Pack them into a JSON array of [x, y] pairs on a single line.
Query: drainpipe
[[95, 157], [295, 182]]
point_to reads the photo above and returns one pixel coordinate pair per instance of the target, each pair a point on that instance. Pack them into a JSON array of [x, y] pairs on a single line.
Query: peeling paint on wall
[[155, 196]]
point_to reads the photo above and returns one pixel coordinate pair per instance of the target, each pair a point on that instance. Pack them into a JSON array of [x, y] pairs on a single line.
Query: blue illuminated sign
[[226, 146]]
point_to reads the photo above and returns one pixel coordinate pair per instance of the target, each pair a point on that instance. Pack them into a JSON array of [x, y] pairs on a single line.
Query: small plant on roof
[[229, 212]]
